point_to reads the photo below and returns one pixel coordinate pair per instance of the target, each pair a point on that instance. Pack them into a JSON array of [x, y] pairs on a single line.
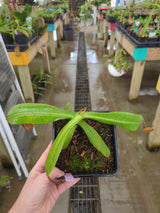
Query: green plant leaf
[[68, 107], [69, 138], [37, 114], [95, 138], [4, 180], [148, 19], [123, 119], [47, 82], [58, 144]]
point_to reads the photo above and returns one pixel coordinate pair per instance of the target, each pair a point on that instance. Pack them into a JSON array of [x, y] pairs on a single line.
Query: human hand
[[39, 194]]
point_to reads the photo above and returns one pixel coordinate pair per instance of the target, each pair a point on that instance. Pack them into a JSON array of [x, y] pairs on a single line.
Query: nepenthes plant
[[29, 113]]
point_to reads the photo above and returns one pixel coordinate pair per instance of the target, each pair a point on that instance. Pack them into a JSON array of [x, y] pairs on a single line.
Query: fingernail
[[68, 177]]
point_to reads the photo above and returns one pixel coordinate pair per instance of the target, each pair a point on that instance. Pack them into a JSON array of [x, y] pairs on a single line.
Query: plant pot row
[[138, 41], [22, 40], [50, 20]]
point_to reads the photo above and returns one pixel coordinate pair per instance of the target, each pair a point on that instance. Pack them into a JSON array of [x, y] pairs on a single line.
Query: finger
[[63, 187], [40, 165], [56, 173]]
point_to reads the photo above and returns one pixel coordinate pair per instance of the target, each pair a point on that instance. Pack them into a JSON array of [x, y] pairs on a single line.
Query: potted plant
[[14, 28], [49, 15], [141, 27], [4, 182], [28, 114], [39, 83], [85, 12], [117, 66]]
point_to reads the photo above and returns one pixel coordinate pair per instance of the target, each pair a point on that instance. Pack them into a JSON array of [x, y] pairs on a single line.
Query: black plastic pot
[[62, 164], [68, 32], [111, 19], [7, 38], [22, 40], [104, 15], [34, 38], [50, 20]]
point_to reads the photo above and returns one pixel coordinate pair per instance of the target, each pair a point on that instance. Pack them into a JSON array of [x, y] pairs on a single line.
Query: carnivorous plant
[[30, 113]]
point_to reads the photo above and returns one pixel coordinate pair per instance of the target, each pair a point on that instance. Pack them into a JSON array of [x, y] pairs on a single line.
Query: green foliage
[[147, 24], [21, 16], [38, 25], [113, 12], [38, 80], [4, 179], [98, 3], [4, 12], [16, 23], [85, 10], [42, 113], [120, 62], [43, 12], [5, 26]]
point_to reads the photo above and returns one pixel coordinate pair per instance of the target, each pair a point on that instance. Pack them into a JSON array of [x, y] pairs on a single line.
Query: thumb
[[64, 186]]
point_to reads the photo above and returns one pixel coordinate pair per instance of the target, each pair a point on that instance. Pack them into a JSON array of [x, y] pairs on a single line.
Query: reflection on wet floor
[[148, 91], [136, 188], [91, 56]]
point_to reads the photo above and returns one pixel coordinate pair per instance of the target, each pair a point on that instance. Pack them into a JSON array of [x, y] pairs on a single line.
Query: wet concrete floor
[[136, 188]]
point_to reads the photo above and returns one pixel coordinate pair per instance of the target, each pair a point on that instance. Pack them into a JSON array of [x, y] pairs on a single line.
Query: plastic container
[[138, 42], [98, 173], [23, 43], [114, 72], [68, 32]]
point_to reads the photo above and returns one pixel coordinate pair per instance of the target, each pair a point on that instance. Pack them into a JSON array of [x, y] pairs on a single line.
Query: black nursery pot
[[81, 158], [22, 40], [7, 38]]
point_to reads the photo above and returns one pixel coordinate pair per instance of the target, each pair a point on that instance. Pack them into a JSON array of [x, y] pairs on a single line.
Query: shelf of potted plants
[[19, 28], [141, 27]]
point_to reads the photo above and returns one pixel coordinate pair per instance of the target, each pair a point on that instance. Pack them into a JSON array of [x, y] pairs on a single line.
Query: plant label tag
[[68, 177], [158, 85]]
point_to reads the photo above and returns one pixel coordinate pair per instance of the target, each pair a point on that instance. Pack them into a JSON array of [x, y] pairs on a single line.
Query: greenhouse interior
[[79, 132]]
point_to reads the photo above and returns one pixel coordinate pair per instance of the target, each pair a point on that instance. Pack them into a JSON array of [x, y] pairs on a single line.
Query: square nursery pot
[[81, 158], [68, 32], [23, 41]]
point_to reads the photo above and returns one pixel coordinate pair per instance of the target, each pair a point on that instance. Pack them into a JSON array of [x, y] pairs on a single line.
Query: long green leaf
[[68, 107], [36, 114], [58, 144], [123, 119], [95, 138], [147, 24], [70, 135]]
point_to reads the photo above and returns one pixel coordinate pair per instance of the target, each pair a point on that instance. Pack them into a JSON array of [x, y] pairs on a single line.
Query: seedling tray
[[135, 42]]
